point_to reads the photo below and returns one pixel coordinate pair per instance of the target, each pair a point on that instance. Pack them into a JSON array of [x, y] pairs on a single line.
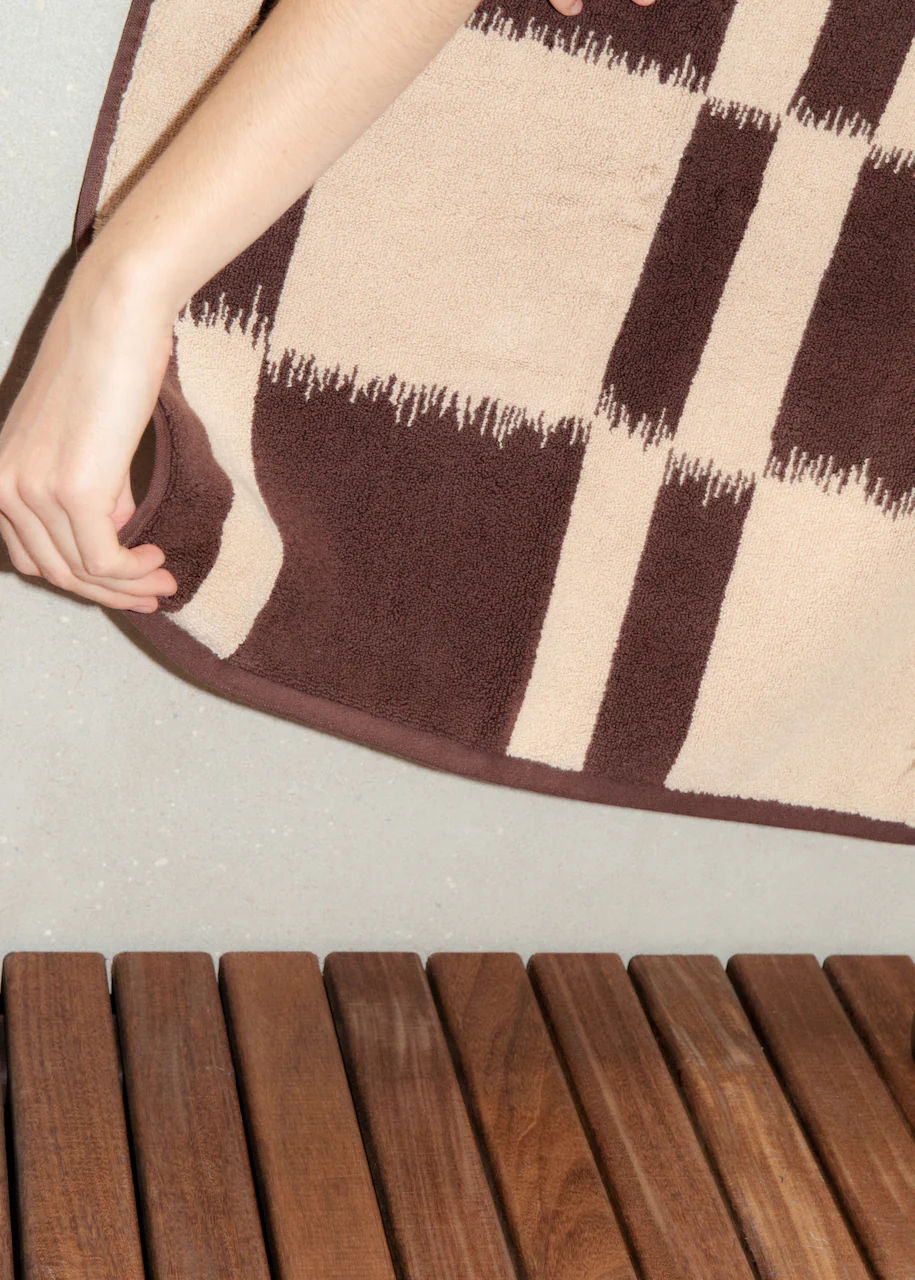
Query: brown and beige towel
[[562, 435]]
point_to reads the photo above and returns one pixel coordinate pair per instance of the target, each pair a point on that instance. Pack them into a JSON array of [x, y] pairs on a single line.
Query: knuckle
[[71, 493], [62, 495], [30, 493], [99, 567]]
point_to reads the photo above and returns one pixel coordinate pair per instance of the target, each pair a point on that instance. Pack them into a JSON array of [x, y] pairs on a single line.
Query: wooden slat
[[321, 1215], [6, 1231], [428, 1172], [679, 1224], [73, 1179], [786, 1209], [557, 1209], [856, 1127], [878, 993], [195, 1187]]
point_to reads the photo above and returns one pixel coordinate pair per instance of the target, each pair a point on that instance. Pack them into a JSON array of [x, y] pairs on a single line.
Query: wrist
[[115, 281]]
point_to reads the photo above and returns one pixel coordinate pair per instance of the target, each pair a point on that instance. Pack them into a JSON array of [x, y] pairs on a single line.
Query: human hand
[[68, 440]]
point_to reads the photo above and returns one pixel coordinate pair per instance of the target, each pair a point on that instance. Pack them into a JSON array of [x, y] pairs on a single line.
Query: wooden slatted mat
[[473, 1118]]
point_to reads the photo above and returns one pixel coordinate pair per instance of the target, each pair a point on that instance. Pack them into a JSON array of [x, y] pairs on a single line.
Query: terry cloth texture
[[562, 435]]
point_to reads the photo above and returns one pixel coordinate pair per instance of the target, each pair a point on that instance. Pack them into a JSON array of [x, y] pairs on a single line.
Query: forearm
[[310, 81]]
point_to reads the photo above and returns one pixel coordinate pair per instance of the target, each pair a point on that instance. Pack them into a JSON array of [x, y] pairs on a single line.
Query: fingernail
[[576, 6]]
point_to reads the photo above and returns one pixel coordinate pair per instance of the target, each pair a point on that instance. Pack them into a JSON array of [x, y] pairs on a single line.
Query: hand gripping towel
[[562, 434]]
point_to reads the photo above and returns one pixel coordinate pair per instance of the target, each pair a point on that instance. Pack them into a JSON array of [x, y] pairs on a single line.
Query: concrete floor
[[139, 812]]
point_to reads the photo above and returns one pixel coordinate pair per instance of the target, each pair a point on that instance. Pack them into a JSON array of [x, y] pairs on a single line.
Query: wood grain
[[321, 1216], [476, 1120], [878, 994], [73, 1181], [195, 1187], [557, 1209], [856, 1127], [429, 1175], [776, 1188], [6, 1226], [678, 1221]]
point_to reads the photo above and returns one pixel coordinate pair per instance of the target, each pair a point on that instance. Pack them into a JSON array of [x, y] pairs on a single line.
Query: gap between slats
[[589, 1131], [782, 1086], [806, 1126], [485, 1158], [851, 1013]]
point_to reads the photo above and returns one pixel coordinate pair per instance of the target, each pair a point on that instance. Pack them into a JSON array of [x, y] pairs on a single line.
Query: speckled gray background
[[139, 812]]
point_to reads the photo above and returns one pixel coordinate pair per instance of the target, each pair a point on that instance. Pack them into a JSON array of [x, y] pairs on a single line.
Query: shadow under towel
[[562, 434]]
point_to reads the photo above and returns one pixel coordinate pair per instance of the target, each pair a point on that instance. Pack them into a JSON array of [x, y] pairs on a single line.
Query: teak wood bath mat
[[562, 435], [473, 1118]]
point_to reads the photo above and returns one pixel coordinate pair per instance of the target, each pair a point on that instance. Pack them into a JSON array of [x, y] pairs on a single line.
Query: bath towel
[[562, 434]]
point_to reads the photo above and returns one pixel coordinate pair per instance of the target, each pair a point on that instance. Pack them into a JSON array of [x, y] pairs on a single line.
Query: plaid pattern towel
[[562, 435]]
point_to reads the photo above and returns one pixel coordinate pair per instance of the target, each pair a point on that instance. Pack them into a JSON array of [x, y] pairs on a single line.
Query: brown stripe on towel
[[850, 403], [855, 64], [655, 356], [193, 483], [682, 40], [418, 556], [238, 297], [254, 279], [668, 628]]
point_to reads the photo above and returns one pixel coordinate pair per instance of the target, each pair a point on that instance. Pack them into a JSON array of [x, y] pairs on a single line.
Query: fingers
[[91, 548], [18, 555], [24, 563], [41, 541], [48, 525]]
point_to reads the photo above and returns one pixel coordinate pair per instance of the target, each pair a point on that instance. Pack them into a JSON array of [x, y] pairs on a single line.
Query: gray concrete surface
[[139, 812]]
